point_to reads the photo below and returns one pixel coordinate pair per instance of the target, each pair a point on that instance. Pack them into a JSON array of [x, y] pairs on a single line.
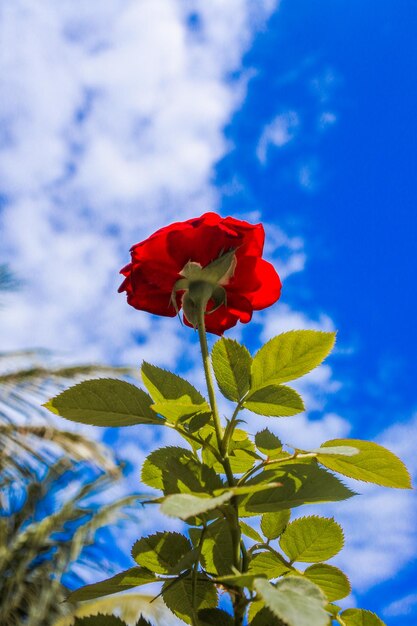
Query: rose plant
[[223, 479]]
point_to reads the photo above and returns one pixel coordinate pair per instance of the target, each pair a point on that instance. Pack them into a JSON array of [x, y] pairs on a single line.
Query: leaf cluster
[[217, 481]]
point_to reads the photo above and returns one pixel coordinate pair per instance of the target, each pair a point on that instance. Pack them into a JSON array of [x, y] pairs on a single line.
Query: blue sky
[[119, 120]]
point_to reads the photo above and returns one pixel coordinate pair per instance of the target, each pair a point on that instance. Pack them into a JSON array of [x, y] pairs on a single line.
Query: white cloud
[[277, 134], [113, 122], [282, 318], [403, 606]]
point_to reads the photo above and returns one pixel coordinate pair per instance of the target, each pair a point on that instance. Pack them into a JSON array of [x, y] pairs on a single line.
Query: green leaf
[[242, 453], [255, 607], [289, 356], [187, 505], [296, 601], [267, 563], [333, 609], [302, 483], [181, 410], [312, 539], [102, 620], [268, 443], [177, 470], [133, 577], [217, 550], [185, 599], [164, 385], [104, 402], [331, 580], [274, 401], [334, 450], [239, 580], [264, 617], [250, 532], [161, 552], [232, 368], [373, 464], [274, 524], [106, 620], [215, 617], [360, 617]]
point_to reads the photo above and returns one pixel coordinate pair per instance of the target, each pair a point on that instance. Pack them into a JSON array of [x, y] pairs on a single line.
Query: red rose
[[159, 262]]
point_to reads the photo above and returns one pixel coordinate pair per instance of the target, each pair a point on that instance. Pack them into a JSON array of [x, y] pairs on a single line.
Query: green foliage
[[274, 524], [214, 617], [161, 552], [274, 401], [232, 368], [187, 595], [242, 455], [332, 581], [360, 617], [164, 385], [301, 483], [177, 470], [268, 443], [104, 402], [289, 356], [295, 601], [373, 464], [217, 547], [264, 617], [224, 475], [267, 563], [250, 532], [312, 539], [106, 620], [182, 410], [102, 620], [133, 577], [187, 505]]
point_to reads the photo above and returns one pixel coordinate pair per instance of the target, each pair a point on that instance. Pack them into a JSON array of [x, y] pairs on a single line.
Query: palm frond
[[127, 606]]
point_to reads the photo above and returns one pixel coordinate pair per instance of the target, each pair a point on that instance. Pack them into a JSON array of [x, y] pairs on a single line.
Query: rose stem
[[238, 595]]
